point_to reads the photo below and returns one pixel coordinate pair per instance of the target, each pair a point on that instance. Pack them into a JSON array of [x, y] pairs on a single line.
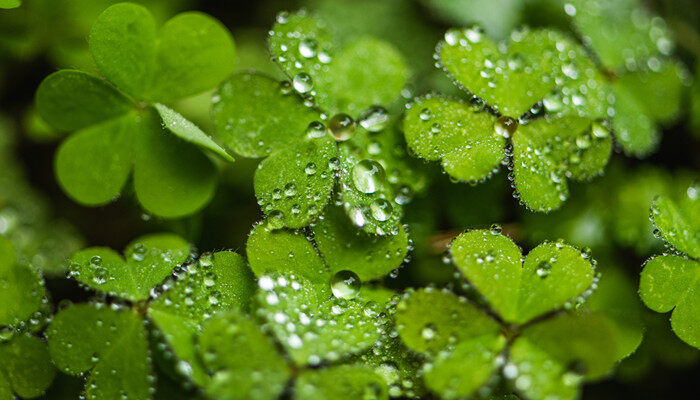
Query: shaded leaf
[[26, 368], [340, 382], [22, 291], [679, 224]]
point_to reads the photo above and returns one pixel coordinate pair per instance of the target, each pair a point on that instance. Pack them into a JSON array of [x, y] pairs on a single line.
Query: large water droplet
[[368, 175], [302, 82], [316, 130], [342, 126], [381, 209], [345, 285], [307, 48], [505, 126], [374, 119]]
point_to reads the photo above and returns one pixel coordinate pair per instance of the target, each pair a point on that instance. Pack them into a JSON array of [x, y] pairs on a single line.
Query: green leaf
[[551, 275], [299, 42], [272, 250], [482, 12], [616, 299], [345, 247], [553, 357], [70, 100], [191, 53], [244, 363], [679, 224], [189, 132], [340, 382], [546, 151], [93, 164], [215, 283], [256, 115], [460, 372], [10, 3], [172, 178], [22, 291], [658, 91], [26, 369], [98, 340], [294, 184], [671, 283], [618, 40], [149, 260], [123, 45], [459, 134], [511, 78], [634, 129], [346, 88], [429, 320], [325, 329]]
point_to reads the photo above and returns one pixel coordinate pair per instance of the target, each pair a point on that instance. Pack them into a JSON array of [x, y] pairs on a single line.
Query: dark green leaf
[[22, 291], [340, 382], [26, 367], [679, 224]]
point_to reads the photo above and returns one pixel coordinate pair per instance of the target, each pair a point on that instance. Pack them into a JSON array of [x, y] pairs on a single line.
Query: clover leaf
[[670, 281], [341, 382], [520, 289], [634, 53], [512, 84], [146, 263], [22, 291], [8, 4], [295, 121], [26, 369], [98, 339], [120, 122]]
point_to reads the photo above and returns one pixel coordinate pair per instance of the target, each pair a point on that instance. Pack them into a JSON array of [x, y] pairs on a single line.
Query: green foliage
[[146, 66], [22, 291], [26, 369], [669, 282], [10, 3]]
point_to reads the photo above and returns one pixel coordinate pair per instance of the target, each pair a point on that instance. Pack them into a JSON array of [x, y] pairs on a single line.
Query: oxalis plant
[[377, 267]]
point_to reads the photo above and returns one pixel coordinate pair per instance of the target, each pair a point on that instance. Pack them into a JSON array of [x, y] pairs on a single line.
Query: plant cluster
[[385, 259]]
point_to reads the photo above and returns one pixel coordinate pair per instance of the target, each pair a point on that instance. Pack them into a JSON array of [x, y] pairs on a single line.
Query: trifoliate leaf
[[22, 291], [188, 131], [243, 362], [287, 252], [149, 260], [325, 329], [294, 184], [460, 372], [671, 283], [346, 88], [551, 275], [171, 177], [340, 382], [256, 115], [553, 357], [658, 91], [679, 224], [423, 329], [616, 299], [93, 164], [461, 135], [70, 100], [108, 344], [367, 197], [510, 78], [215, 283], [346, 247], [192, 52], [26, 368], [546, 152], [621, 33]]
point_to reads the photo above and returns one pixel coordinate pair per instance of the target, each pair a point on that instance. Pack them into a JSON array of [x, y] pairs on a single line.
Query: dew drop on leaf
[[381, 209], [302, 82], [368, 176], [316, 130], [307, 48], [505, 126], [374, 119], [345, 284], [342, 126]]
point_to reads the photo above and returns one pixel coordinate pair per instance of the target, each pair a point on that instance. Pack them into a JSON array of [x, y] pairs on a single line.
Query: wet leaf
[[26, 369], [679, 223], [22, 291], [340, 382]]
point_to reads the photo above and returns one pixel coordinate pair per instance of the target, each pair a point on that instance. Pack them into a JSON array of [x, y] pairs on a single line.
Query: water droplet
[[381, 209], [505, 126], [96, 261], [307, 48], [425, 114], [276, 219], [316, 130], [100, 275], [310, 169], [544, 269], [515, 62], [345, 284], [374, 119], [342, 126], [496, 229], [368, 175], [285, 87], [302, 82], [599, 130], [428, 332]]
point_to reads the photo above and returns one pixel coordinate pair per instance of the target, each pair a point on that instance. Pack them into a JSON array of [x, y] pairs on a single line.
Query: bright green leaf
[[98, 340], [679, 224], [459, 134], [70, 100], [188, 131], [10, 3], [26, 367], [294, 184], [22, 291], [245, 364], [339, 383], [149, 260], [659, 92], [671, 282], [244, 126], [429, 320], [345, 247]]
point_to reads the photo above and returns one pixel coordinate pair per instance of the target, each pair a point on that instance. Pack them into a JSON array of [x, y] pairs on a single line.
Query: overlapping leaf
[[22, 291], [117, 129]]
